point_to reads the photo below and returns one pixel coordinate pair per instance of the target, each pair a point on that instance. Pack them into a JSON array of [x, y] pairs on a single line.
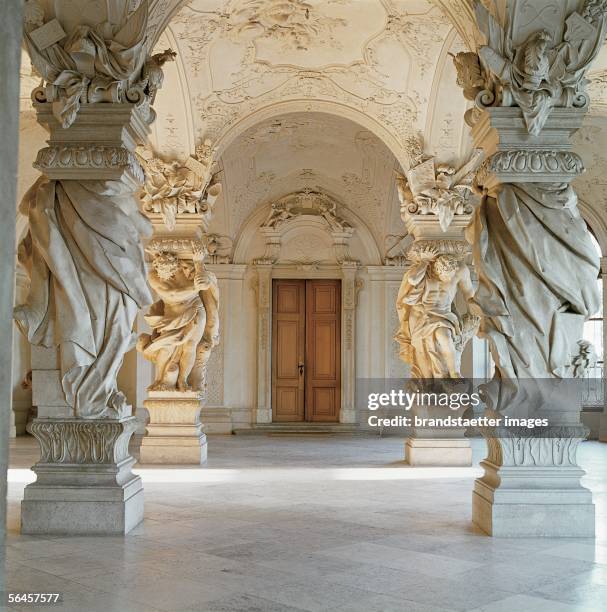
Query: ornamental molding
[[306, 202], [107, 160], [300, 216], [530, 166], [332, 51], [179, 188]]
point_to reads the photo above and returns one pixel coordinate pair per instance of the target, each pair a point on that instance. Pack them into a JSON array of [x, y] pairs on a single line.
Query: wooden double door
[[306, 350]]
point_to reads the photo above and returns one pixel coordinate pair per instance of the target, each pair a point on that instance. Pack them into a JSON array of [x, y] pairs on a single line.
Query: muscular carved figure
[[179, 319], [432, 334]]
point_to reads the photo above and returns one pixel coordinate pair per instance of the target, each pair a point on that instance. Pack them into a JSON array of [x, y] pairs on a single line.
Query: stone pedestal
[[531, 488], [438, 452], [84, 481], [174, 433], [440, 447]]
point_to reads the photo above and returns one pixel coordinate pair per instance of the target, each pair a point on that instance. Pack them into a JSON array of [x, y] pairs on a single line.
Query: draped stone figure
[[536, 263], [88, 280], [88, 273], [537, 278], [537, 272], [184, 321], [432, 333]]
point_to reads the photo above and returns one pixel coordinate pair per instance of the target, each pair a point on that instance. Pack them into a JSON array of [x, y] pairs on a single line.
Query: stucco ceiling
[[296, 93], [310, 150], [328, 93]]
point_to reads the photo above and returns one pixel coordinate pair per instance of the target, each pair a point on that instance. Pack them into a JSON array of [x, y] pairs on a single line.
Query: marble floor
[[288, 523]]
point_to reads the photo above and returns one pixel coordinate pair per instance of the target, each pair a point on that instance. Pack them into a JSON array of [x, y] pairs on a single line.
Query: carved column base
[[438, 446], [174, 433], [84, 484], [537, 494], [347, 414], [263, 415]]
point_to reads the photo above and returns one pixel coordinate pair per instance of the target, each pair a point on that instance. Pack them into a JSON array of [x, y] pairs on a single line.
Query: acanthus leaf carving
[[79, 441]]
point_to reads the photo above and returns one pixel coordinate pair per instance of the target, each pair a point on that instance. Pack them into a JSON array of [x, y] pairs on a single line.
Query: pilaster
[[349, 291], [603, 417], [264, 341]]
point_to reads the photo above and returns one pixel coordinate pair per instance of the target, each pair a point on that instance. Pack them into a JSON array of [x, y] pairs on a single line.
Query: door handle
[[301, 369]]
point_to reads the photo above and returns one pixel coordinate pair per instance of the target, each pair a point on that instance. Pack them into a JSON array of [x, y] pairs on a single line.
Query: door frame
[[347, 273]]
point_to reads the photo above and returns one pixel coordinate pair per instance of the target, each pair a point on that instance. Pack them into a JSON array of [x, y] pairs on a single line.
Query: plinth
[[174, 433], [439, 447], [84, 484]]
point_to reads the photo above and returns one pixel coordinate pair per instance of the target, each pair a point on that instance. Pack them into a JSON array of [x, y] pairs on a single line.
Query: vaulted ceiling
[[328, 93], [331, 94]]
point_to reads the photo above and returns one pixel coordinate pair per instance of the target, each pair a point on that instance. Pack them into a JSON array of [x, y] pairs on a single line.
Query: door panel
[[323, 350], [288, 350]]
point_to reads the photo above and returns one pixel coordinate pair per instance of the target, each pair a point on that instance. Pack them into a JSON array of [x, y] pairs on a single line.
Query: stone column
[[349, 292], [536, 263], [10, 58], [179, 200], [88, 277], [433, 334]]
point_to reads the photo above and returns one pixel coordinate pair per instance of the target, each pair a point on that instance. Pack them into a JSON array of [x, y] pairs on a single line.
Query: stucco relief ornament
[[306, 202], [295, 23], [536, 74], [438, 189], [178, 187], [432, 333], [185, 321], [104, 63]]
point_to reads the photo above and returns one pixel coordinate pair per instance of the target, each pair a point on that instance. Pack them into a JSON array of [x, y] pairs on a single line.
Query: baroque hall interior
[[238, 223]]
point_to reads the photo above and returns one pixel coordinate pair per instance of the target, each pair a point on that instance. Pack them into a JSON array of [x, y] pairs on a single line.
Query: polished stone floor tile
[[308, 524]]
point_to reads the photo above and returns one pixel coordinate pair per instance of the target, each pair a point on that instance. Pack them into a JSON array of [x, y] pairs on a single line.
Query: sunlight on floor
[[180, 474]]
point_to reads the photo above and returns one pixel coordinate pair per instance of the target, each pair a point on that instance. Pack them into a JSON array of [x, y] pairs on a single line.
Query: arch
[[337, 109]]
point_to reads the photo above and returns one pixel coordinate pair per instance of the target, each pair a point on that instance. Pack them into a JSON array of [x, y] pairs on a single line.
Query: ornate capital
[[535, 67], [107, 63], [99, 145], [68, 161], [432, 192], [179, 191], [515, 156]]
